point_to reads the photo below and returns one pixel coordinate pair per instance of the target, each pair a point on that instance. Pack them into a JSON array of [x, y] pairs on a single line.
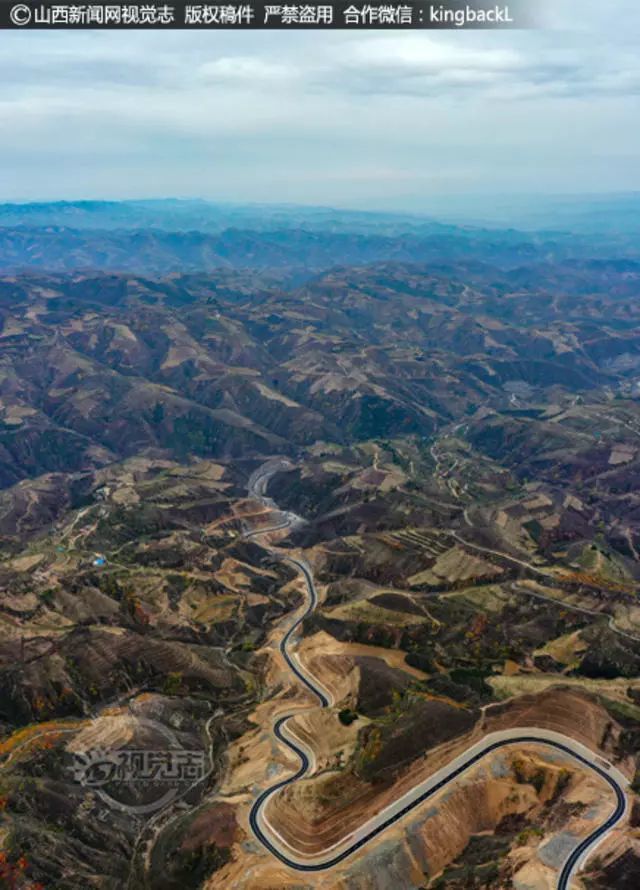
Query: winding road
[[362, 835]]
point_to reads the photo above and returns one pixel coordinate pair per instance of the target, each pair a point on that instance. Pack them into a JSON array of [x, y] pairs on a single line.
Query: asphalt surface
[[567, 870], [304, 678], [397, 811]]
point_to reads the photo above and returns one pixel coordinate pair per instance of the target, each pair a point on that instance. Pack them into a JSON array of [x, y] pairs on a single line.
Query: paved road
[[429, 788], [328, 858]]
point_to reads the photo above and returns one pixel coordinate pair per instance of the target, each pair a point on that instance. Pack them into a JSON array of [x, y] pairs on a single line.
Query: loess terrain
[[456, 415]]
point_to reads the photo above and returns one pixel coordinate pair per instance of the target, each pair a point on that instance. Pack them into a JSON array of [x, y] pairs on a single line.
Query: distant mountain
[[613, 215], [301, 252], [209, 216]]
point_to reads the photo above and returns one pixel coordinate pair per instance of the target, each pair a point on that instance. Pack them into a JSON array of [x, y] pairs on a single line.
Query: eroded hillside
[[463, 457]]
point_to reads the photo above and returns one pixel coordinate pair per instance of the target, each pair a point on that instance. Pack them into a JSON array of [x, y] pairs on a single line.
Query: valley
[[355, 532]]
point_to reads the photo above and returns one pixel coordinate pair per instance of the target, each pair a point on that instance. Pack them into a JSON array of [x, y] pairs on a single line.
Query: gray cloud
[[365, 118]]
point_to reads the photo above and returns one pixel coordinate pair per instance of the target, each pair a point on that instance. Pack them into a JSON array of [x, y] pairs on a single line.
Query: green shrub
[[347, 716]]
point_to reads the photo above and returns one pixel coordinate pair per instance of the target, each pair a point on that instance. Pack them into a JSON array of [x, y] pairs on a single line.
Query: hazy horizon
[[383, 121], [617, 210]]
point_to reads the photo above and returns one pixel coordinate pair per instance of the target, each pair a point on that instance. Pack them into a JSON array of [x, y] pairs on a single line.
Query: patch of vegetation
[[173, 683], [526, 774], [47, 596], [477, 867], [474, 679], [608, 656], [408, 732], [176, 585], [188, 869], [525, 836]]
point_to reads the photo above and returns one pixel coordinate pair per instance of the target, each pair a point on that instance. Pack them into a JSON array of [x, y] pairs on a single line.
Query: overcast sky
[[358, 119]]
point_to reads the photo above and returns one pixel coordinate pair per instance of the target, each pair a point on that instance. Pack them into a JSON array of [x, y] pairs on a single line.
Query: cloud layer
[[362, 119]]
